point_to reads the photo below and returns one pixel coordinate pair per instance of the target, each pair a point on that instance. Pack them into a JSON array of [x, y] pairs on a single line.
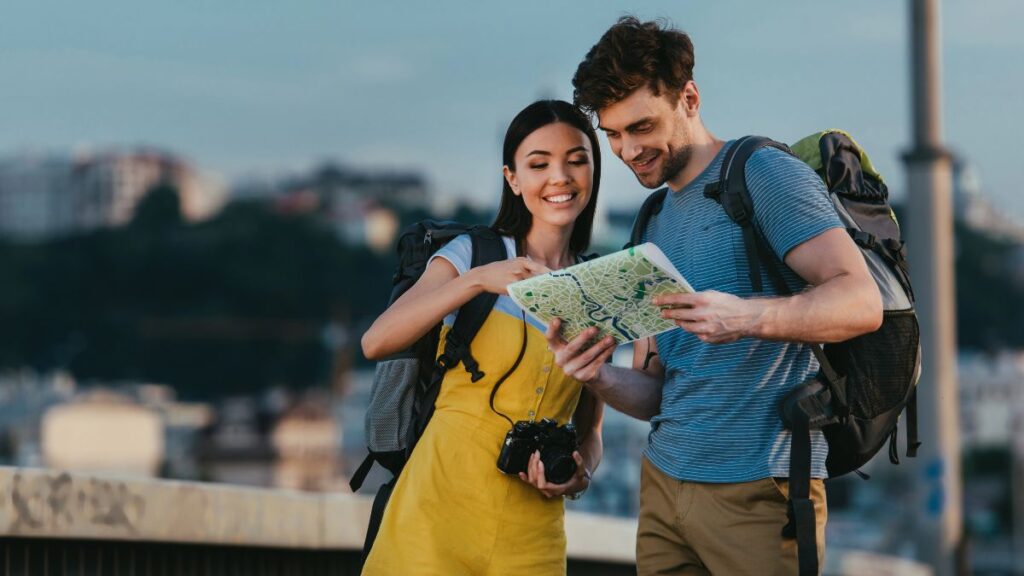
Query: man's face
[[651, 134]]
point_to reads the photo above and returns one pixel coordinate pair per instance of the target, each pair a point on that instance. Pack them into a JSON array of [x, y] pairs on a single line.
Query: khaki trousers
[[719, 529]]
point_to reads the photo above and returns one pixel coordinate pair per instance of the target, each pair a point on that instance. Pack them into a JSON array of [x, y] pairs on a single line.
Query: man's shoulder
[[774, 171], [771, 159]]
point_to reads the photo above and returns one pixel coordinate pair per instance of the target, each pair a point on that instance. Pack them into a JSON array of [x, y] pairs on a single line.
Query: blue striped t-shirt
[[719, 408]]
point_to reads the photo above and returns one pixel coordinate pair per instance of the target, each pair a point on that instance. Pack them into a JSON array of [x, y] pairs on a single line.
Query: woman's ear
[[510, 177]]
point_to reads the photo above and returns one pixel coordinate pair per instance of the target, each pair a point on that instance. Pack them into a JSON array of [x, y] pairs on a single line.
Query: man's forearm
[[629, 391], [837, 310]]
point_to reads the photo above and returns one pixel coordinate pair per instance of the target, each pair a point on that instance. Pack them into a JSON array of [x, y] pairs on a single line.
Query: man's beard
[[674, 164]]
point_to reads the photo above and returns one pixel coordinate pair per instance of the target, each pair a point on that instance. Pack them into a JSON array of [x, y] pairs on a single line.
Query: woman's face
[[553, 172]]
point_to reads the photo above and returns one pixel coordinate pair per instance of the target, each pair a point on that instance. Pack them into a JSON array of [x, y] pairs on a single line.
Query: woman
[[453, 511]]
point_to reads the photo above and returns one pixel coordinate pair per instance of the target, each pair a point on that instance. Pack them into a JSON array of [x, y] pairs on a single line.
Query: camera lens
[[558, 466]]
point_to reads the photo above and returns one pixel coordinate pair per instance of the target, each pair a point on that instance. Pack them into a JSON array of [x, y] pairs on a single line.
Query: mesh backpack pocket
[[878, 386], [392, 396], [877, 391]]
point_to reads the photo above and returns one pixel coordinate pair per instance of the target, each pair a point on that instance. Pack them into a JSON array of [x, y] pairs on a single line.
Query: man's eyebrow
[[638, 123], [631, 127]]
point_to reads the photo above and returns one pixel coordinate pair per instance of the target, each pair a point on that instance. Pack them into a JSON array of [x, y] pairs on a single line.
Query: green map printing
[[613, 293]]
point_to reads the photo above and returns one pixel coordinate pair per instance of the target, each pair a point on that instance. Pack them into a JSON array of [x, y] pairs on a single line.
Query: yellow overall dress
[[452, 511]]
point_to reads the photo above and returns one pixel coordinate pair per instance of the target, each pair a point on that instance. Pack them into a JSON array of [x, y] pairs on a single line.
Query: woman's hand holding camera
[[535, 477], [495, 277]]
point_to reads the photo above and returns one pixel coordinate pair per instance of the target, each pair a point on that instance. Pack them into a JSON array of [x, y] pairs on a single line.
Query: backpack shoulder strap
[[652, 205], [487, 247], [732, 193]]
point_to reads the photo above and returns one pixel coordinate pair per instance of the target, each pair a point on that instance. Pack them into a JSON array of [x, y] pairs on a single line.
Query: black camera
[[555, 443]]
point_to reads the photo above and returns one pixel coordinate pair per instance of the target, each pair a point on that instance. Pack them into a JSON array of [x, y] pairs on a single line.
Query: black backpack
[[406, 384], [865, 382]]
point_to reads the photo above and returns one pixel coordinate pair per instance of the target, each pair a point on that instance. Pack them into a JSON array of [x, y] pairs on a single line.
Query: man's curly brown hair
[[630, 55]]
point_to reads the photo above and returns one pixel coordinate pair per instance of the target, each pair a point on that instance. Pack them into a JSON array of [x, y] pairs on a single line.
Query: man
[[714, 477]]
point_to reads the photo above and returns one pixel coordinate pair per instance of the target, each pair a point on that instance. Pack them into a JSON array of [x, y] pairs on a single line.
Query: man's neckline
[[703, 172]]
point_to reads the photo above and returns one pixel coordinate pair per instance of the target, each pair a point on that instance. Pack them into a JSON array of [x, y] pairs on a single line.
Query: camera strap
[[494, 390]]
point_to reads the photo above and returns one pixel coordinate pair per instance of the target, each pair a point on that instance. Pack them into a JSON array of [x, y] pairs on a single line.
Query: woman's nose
[[560, 175]]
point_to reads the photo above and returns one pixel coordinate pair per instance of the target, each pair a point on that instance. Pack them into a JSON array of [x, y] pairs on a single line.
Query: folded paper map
[[612, 292]]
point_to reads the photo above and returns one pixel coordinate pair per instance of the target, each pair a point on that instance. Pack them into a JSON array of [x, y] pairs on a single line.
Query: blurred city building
[[235, 448], [359, 205], [109, 185], [44, 196], [975, 209], [104, 432], [36, 196], [991, 398], [135, 429], [991, 394], [306, 442], [24, 397]]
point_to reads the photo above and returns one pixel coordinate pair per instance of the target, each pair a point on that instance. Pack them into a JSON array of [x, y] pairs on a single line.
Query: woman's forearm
[[592, 450], [589, 418], [417, 311]]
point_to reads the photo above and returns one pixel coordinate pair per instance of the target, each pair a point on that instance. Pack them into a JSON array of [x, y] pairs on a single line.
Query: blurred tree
[[241, 302], [159, 209]]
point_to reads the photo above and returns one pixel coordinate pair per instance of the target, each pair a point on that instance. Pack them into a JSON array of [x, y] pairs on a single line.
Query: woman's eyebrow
[[546, 153]]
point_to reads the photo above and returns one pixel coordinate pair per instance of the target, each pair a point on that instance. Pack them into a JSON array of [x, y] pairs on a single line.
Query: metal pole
[[1017, 480], [937, 479]]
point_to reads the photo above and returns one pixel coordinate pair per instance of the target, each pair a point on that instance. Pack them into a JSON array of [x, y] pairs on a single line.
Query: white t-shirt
[[459, 252]]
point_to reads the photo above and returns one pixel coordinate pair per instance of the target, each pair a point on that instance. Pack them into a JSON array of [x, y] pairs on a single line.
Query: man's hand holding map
[[613, 293]]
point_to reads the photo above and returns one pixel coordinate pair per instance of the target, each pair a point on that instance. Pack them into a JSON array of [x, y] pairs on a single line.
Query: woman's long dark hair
[[513, 218]]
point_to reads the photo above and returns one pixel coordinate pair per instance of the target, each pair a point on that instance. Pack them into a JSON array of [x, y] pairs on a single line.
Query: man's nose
[[631, 149]]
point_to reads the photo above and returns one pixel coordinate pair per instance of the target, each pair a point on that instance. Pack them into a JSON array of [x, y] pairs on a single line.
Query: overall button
[[540, 390], [546, 369], [532, 413]]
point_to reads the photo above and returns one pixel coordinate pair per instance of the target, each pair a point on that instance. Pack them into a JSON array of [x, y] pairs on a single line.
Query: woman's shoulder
[[464, 243], [459, 251]]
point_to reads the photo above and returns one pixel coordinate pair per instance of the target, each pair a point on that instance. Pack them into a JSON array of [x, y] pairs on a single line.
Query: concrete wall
[[37, 503]]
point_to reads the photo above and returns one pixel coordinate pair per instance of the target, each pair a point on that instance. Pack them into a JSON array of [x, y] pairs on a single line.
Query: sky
[[269, 88]]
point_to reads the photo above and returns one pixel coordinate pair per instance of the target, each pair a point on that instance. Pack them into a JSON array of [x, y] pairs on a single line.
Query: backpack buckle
[[446, 362], [456, 351], [713, 192], [863, 239], [734, 207]]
